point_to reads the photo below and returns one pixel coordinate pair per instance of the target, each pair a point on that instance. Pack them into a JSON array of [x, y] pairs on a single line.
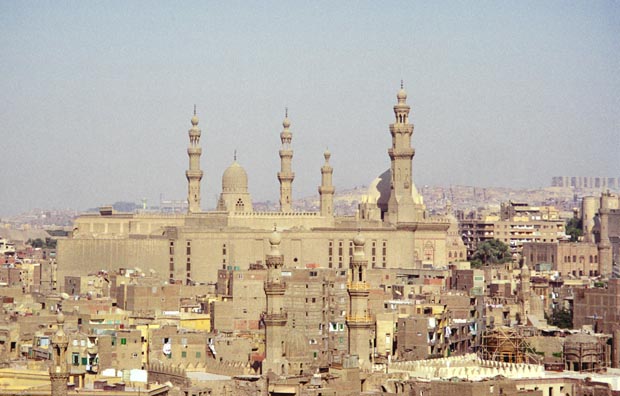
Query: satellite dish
[[64, 296]]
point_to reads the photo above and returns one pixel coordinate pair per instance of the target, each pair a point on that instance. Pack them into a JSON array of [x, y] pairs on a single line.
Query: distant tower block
[[401, 207], [194, 174], [359, 321], [275, 317], [286, 175], [59, 371], [326, 189]]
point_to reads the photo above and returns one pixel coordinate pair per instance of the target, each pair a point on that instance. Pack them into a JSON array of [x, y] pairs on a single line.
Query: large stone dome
[[296, 345], [379, 191], [235, 179]]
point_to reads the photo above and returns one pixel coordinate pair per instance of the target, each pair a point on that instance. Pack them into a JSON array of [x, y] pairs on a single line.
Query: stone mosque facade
[[190, 248]]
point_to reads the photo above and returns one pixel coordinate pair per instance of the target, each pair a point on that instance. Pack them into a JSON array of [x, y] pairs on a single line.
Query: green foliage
[[475, 264], [563, 318], [492, 251], [574, 228], [48, 243]]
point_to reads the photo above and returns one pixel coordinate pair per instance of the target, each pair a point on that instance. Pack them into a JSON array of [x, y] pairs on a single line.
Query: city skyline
[[97, 99]]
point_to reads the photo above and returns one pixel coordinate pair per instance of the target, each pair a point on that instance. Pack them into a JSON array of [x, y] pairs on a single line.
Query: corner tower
[[194, 174], [359, 321], [59, 370], [401, 207], [326, 189], [286, 175]]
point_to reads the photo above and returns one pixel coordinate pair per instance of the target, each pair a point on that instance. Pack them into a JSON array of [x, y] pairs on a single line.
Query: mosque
[[190, 248]]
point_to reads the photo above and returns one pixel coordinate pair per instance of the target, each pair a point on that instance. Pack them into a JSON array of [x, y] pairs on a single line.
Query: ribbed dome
[[296, 345], [235, 179]]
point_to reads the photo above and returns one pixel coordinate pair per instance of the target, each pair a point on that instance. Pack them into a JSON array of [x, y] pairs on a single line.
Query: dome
[[286, 123], [235, 179], [379, 191], [359, 240], [402, 94], [195, 120], [296, 345], [275, 238]]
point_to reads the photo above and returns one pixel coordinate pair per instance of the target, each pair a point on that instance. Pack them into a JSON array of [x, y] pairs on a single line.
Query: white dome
[[379, 190]]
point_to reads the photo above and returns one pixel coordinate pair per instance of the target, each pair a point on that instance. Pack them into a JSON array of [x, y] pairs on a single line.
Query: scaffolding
[[505, 344]]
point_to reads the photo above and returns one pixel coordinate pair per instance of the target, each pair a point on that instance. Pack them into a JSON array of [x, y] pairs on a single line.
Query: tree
[[562, 318], [492, 251], [574, 228]]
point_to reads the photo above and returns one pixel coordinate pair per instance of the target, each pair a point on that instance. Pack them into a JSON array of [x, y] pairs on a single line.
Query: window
[[123, 341], [198, 355], [183, 354], [75, 359], [84, 361]]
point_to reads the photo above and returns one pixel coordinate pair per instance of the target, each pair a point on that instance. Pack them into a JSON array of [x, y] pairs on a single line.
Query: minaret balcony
[[276, 319], [277, 288], [358, 320]]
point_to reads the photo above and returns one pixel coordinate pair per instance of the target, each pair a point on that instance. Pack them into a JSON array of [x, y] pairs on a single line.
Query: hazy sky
[[96, 97]]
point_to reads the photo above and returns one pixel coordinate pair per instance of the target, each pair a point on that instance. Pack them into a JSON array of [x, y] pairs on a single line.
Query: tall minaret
[[59, 370], [286, 174], [605, 259], [275, 317], [359, 321], [525, 292], [326, 189], [401, 208], [194, 174]]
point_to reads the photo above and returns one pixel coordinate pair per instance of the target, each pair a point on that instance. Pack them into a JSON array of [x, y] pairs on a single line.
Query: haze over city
[[96, 98]]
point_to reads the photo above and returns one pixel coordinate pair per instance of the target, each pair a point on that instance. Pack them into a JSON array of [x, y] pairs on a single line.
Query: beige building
[[191, 248]]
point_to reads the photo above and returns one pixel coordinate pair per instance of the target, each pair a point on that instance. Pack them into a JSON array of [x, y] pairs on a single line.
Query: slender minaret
[[401, 207], [194, 174], [59, 370], [359, 321], [326, 189], [286, 175], [604, 246], [275, 317], [525, 292]]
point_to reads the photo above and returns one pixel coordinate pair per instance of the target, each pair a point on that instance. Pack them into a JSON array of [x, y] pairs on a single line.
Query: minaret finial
[[286, 112], [402, 84], [194, 109], [235, 155]]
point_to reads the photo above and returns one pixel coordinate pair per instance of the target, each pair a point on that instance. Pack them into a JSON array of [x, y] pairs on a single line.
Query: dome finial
[[235, 155], [195, 117], [402, 84], [286, 123]]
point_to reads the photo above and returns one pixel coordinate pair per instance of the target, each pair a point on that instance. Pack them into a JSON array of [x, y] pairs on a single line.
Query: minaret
[[59, 370], [525, 292], [326, 189], [275, 317], [401, 208], [604, 246], [286, 175], [194, 174], [359, 321]]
